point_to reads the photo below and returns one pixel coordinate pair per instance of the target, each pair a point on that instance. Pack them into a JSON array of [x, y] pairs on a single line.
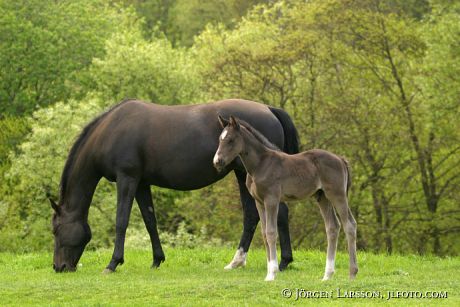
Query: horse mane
[[259, 136], [81, 140]]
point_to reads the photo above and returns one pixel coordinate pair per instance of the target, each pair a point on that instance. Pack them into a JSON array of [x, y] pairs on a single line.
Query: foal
[[274, 176]]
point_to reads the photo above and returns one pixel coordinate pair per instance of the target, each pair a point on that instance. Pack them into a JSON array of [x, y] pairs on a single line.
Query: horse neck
[[253, 152], [79, 192]]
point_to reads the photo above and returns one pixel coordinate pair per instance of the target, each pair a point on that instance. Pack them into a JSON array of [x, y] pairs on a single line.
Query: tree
[[151, 70], [46, 45], [351, 74]]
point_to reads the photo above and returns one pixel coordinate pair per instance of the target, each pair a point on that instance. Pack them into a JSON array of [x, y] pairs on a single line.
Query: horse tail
[[291, 137], [347, 166]]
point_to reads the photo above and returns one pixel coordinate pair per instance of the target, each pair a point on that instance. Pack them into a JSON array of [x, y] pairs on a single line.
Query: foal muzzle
[[219, 164]]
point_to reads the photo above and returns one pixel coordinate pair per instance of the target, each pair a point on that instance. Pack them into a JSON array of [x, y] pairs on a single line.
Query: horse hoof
[[270, 277], [157, 262], [284, 263], [107, 271]]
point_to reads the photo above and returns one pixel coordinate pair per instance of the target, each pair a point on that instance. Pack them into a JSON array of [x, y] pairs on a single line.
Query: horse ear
[[222, 121], [234, 122], [56, 208]]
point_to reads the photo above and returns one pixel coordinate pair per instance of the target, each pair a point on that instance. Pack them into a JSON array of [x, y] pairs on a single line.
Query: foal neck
[[253, 152]]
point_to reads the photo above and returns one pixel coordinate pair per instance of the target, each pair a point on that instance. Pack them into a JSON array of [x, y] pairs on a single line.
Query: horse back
[[171, 146]]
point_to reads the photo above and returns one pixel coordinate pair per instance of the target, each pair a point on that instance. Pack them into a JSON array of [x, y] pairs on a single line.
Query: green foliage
[[353, 76], [181, 20], [375, 81], [35, 171], [12, 131], [45, 46], [149, 70]]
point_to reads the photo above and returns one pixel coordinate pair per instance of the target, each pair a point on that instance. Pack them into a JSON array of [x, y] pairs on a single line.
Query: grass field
[[196, 277]]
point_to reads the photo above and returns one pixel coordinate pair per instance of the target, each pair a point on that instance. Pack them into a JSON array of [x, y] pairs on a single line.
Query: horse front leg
[[250, 221], [271, 213], [144, 200], [126, 189]]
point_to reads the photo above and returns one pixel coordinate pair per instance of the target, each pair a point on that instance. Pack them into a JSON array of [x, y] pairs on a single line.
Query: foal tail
[[291, 137], [347, 166]]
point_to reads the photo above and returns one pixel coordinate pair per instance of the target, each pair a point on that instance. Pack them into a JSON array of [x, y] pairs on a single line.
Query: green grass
[[196, 277]]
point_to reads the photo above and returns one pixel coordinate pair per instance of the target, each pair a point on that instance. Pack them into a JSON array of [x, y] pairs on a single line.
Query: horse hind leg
[[340, 204], [332, 226], [285, 238], [144, 200]]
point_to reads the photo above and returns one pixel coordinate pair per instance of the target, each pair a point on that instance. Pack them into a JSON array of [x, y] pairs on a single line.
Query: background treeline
[[375, 81]]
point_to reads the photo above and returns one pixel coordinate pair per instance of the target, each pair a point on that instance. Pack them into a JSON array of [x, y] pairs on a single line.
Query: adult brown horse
[[139, 144]]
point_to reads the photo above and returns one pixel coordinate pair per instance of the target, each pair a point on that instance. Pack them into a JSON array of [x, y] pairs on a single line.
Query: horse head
[[71, 236]]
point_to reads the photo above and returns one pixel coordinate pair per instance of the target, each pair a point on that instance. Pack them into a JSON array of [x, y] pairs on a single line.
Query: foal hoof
[[107, 271], [234, 265], [353, 273]]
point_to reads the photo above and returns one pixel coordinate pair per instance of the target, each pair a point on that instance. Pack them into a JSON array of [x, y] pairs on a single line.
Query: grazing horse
[[139, 144], [274, 176]]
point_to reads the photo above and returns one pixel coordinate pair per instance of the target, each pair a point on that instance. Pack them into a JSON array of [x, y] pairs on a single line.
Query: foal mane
[[259, 136], [81, 140]]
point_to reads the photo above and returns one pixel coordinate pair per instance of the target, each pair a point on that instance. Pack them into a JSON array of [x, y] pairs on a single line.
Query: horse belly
[[300, 187]]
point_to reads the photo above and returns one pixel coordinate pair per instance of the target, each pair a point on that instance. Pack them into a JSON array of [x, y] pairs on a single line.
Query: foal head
[[230, 143], [70, 239]]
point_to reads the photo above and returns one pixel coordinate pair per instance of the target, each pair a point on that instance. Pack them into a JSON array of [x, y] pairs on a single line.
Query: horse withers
[[274, 176], [139, 144]]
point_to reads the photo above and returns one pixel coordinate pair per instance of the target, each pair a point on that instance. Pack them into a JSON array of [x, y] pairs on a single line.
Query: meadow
[[192, 277]]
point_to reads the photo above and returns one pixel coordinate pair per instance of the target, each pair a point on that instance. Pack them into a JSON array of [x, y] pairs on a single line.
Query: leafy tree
[[350, 72], [135, 68], [45, 45]]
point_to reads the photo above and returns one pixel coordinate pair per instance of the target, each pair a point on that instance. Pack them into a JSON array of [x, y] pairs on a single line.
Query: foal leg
[[271, 231], [250, 220], [144, 200], [340, 204], [263, 229], [332, 226], [126, 188]]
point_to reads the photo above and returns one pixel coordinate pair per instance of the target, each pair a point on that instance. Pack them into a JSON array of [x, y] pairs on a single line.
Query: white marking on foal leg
[[272, 268], [238, 260], [329, 271]]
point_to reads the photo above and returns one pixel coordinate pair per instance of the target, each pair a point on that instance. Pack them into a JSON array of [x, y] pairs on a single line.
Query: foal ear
[[222, 121], [234, 122], [56, 208]]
